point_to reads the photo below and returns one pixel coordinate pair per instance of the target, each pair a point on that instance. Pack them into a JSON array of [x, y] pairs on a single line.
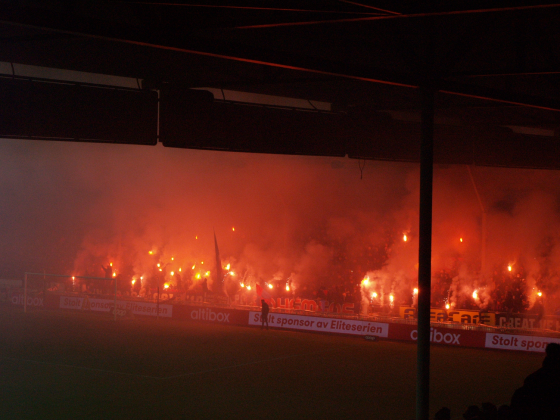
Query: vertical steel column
[[25, 294], [425, 254]]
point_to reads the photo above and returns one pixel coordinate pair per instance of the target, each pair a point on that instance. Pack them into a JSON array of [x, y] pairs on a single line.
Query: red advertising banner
[[527, 321], [461, 337], [439, 335], [311, 305], [518, 342], [34, 299], [323, 324], [214, 314], [105, 305]]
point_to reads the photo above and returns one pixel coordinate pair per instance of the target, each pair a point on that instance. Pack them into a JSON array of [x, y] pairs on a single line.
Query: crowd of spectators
[[537, 399]]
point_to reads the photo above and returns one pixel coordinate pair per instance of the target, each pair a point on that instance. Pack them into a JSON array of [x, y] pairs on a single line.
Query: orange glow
[[374, 295], [172, 273], [233, 229], [161, 269], [242, 284], [415, 291], [114, 274], [201, 262], [405, 238], [111, 264], [197, 275], [192, 268], [461, 239], [539, 294], [365, 281], [133, 281], [158, 264], [270, 286], [165, 286], [142, 278], [249, 287], [391, 298], [172, 258], [509, 267], [196, 237], [227, 267], [287, 288], [475, 294], [207, 273], [151, 252], [447, 306]]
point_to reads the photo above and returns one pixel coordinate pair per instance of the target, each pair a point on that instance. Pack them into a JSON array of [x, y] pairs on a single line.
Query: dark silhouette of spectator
[[357, 301], [444, 413], [264, 313], [489, 411], [538, 398], [205, 287], [108, 275], [108, 271], [504, 412], [538, 308], [472, 413]]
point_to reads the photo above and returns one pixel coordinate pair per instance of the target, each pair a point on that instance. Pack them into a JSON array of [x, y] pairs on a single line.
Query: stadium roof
[[494, 65]]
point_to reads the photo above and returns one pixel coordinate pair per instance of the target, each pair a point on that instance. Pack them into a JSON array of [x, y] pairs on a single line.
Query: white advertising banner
[[105, 305], [518, 342], [311, 323]]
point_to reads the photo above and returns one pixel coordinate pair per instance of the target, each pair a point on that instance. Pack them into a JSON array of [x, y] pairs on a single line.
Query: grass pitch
[[68, 365]]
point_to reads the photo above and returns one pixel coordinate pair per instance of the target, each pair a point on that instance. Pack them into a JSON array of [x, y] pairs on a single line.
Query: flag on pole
[[219, 275], [263, 294]]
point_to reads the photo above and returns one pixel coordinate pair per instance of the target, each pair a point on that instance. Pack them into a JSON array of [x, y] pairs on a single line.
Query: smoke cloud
[[69, 208]]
